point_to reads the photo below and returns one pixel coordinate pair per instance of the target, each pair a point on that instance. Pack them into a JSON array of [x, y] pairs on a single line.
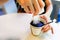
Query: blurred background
[[11, 6]]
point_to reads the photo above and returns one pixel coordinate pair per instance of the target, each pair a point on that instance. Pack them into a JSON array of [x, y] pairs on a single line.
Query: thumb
[[43, 18]]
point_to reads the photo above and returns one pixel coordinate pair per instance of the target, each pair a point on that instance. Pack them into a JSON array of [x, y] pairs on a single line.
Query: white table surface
[[57, 0], [17, 26]]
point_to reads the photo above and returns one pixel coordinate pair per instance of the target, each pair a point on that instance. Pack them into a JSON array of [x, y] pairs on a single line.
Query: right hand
[[32, 6]]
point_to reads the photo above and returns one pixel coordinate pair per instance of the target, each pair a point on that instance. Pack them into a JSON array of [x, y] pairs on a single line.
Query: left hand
[[46, 27]]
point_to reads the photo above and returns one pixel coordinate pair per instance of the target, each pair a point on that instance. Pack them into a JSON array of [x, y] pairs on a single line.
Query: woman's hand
[[32, 6], [46, 27]]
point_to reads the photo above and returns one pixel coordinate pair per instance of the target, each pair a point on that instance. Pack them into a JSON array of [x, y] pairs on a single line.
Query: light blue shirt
[[10, 7]]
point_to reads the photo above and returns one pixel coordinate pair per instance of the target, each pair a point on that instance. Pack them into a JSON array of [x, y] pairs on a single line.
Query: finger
[[46, 28], [41, 3], [43, 18], [31, 8], [36, 6], [29, 5], [23, 4], [26, 9]]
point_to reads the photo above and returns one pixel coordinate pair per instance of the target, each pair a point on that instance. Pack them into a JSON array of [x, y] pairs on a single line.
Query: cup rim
[[36, 24]]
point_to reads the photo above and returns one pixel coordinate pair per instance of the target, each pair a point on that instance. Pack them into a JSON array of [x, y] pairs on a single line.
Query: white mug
[[36, 31]]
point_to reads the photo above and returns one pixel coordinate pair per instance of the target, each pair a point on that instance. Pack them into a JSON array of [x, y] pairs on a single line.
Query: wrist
[[48, 17]]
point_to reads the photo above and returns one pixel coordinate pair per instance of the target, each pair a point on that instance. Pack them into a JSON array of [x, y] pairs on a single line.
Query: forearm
[[49, 10]]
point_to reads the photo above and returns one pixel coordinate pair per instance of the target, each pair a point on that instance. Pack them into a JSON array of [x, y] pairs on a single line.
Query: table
[[18, 26]]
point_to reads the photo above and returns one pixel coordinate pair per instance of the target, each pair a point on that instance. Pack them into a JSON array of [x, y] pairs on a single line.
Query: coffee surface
[[40, 24]]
